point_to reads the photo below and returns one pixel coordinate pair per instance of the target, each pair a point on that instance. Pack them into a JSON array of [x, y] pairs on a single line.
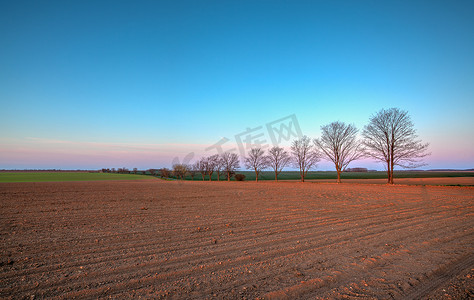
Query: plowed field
[[195, 240]]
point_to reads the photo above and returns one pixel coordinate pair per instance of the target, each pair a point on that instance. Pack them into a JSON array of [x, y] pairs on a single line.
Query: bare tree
[[230, 163], [277, 159], [212, 163], [201, 165], [180, 170], [176, 170], [390, 138], [219, 167], [193, 170], [164, 172], [305, 155], [256, 161], [184, 170], [340, 145]]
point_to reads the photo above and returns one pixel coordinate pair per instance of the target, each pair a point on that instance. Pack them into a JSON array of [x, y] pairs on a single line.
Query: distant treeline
[[166, 173]]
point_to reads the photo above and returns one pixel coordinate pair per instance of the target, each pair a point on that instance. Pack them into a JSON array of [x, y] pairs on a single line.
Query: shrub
[[239, 177]]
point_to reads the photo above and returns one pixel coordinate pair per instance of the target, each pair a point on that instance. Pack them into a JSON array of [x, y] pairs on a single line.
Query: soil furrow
[[199, 240]]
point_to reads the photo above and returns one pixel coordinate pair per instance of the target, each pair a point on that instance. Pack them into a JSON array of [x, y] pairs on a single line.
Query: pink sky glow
[[37, 153]]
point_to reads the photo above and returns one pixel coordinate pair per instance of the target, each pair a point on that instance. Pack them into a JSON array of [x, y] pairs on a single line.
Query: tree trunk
[[388, 172], [256, 175], [391, 172], [228, 176], [391, 158], [202, 176], [218, 179], [276, 176], [338, 175]]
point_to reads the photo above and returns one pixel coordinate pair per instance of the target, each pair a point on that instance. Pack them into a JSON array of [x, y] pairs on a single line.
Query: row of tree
[[120, 170], [224, 165], [389, 137]]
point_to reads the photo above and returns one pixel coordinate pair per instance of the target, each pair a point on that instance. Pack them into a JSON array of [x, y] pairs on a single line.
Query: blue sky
[[90, 84]]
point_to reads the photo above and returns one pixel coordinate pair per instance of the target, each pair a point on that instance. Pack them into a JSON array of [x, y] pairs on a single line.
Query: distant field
[[294, 175], [64, 176]]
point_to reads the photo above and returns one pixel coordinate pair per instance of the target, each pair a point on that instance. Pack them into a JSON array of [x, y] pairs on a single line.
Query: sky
[[94, 84]]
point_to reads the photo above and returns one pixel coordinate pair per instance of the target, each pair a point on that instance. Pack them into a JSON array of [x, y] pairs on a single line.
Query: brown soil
[[195, 240]]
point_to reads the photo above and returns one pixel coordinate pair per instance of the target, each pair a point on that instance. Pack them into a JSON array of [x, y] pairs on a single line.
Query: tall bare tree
[[230, 163], [256, 161], [339, 144], [201, 165], [304, 155], [278, 159], [390, 138], [212, 163]]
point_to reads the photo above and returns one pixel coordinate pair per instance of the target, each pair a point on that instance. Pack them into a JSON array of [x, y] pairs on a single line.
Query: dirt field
[[195, 240]]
